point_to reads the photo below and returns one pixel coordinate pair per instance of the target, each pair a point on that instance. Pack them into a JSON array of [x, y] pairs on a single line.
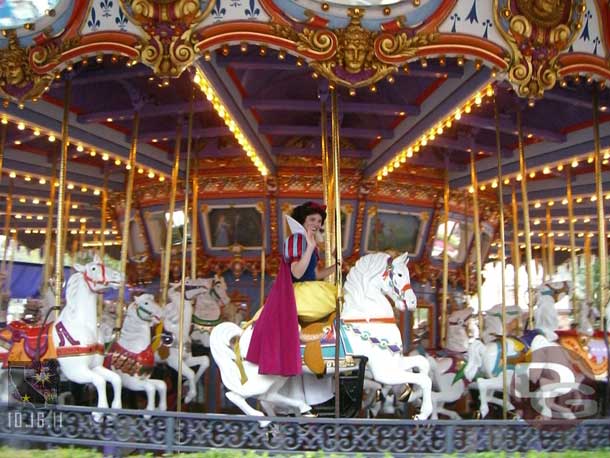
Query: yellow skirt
[[315, 299]]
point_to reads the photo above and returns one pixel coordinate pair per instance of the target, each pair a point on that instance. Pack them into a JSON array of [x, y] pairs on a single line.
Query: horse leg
[[139, 384], [240, 402], [202, 361], [4, 389], [274, 396], [80, 373], [160, 388], [484, 387], [115, 380]]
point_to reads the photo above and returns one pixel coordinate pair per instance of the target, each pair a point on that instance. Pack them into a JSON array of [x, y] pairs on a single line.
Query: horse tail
[[224, 354]]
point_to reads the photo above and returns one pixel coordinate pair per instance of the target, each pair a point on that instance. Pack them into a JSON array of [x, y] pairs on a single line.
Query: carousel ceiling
[[434, 113]]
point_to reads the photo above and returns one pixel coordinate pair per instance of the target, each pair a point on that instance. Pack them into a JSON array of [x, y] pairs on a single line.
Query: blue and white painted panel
[[473, 17], [236, 10], [107, 16], [590, 39]]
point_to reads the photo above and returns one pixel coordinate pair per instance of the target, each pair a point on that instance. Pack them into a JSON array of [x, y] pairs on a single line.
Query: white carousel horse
[[366, 313], [483, 360], [132, 357], [169, 354], [74, 335]]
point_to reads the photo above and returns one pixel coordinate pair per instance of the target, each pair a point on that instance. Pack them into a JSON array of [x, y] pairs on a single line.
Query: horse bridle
[[389, 272], [91, 283]]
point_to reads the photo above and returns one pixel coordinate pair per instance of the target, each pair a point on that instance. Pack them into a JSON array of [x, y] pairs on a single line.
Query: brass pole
[[467, 237], [3, 129], [327, 187], [543, 253], [445, 258], [181, 331], [477, 235], [68, 204], [588, 276], [9, 273], [195, 218], [573, 265], [127, 218], [503, 262], [549, 243], [516, 248], [170, 219], [8, 214], [100, 299], [48, 236], [335, 144], [601, 219], [263, 253], [63, 164], [526, 221]]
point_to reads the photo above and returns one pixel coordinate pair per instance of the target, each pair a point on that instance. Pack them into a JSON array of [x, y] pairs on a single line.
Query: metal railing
[[172, 432]]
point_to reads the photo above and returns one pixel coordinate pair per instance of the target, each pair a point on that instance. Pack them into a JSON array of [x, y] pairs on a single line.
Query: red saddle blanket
[[25, 345], [138, 364]]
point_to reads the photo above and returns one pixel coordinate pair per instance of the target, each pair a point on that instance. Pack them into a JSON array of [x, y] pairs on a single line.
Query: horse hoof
[[406, 393], [310, 414], [378, 395], [476, 415]]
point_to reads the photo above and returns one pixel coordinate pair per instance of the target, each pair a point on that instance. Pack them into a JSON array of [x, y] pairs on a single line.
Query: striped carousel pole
[[181, 330], [526, 221], [131, 166], [477, 235], [170, 220], [60, 222], [502, 261], [335, 144], [573, 263]]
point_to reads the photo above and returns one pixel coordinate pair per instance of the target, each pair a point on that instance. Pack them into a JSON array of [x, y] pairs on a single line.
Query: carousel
[[356, 226]]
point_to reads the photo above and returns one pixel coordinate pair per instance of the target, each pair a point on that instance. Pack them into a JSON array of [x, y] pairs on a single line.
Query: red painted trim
[[429, 90], [583, 63], [583, 125], [439, 16]]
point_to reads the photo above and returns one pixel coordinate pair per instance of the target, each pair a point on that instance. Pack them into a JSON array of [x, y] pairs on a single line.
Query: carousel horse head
[[459, 329], [474, 359], [98, 277], [145, 309], [398, 277], [545, 315]]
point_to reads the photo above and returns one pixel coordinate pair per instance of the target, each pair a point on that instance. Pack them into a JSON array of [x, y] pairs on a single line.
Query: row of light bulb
[[29, 230], [474, 101], [36, 201], [577, 199], [546, 170], [118, 161], [224, 114]]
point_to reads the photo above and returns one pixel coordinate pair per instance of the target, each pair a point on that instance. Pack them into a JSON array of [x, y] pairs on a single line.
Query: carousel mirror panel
[[459, 238], [227, 226], [15, 13], [393, 230], [156, 225]]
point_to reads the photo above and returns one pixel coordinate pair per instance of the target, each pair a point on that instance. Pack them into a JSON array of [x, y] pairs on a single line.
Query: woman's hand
[[311, 240]]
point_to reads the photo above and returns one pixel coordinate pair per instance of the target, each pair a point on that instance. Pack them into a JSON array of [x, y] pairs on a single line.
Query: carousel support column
[[170, 220], [335, 143], [516, 252], [573, 265], [588, 275], [601, 219], [263, 249], [181, 330], [131, 166], [7, 226], [100, 298], [502, 261], [526, 222], [477, 235], [68, 203], [195, 218], [445, 255], [9, 273], [48, 236], [551, 239], [327, 187], [63, 164]]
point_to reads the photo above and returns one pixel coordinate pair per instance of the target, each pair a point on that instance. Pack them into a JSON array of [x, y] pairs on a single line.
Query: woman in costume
[[275, 344]]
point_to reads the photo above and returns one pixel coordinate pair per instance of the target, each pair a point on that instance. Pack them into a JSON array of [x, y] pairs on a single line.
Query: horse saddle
[[25, 344], [318, 341]]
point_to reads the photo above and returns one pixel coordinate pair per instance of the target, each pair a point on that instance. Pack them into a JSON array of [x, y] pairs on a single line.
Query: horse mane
[[364, 271], [71, 288]]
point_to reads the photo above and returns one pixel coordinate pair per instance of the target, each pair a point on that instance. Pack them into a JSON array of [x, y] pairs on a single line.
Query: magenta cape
[[275, 345]]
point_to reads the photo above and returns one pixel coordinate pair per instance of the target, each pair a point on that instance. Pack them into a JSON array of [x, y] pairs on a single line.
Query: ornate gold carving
[[362, 57], [538, 31], [170, 43], [17, 79]]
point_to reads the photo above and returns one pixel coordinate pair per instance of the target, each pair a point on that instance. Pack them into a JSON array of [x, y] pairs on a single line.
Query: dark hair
[[308, 208]]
